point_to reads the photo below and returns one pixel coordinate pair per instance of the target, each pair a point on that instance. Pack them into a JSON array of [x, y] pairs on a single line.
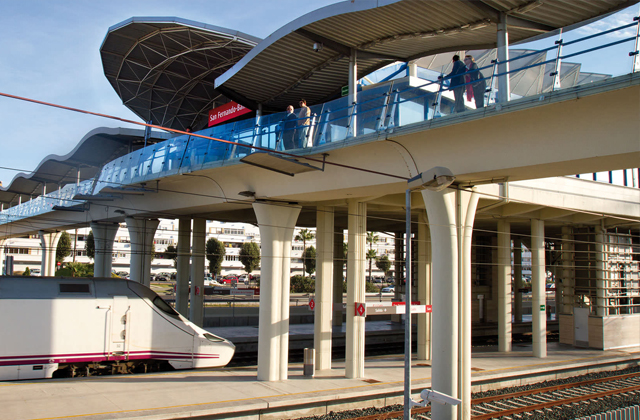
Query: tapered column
[[451, 214], [182, 269], [196, 295], [49, 243], [276, 223], [538, 297], [324, 287], [504, 286], [338, 275], [103, 237], [141, 232], [354, 363], [517, 275], [424, 287]]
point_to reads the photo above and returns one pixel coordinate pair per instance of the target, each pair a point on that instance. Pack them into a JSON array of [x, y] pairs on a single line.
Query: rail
[[379, 110]]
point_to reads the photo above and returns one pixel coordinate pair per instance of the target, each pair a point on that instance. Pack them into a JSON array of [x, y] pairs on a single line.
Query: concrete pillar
[[504, 89], [354, 357], [338, 276], [2, 256], [504, 286], [49, 243], [196, 295], [568, 272], [517, 275], [424, 287], [538, 293], [353, 86], [141, 232], [324, 287], [103, 237], [601, 273], [182, 269], [276, 223], [451, 214]]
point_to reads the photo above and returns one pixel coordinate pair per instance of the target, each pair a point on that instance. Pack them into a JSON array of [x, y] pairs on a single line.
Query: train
[[67, 327]]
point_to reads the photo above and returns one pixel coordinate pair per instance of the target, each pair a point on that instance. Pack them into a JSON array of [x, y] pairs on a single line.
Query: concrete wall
[[615, 331]]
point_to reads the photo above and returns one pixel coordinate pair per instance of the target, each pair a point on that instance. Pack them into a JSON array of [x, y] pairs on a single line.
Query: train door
[[120, 320]]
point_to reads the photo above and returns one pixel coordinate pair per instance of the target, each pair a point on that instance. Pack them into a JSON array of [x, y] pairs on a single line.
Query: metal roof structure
[[96, 148], [163, 68], [285, 66]]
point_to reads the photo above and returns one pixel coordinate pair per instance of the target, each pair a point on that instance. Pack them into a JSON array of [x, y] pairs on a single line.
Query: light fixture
[[247, 194], [435, 179]]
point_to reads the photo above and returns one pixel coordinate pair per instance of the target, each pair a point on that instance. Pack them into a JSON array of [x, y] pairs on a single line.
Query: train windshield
[[164, 306]]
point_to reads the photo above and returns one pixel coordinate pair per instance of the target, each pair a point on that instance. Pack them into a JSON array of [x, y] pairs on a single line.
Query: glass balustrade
[[379, 109]]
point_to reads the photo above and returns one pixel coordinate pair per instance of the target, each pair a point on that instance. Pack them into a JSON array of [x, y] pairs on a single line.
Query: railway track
[[561, 401]]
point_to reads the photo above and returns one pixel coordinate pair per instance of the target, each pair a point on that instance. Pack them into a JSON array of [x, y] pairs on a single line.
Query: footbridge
[[347, 165]]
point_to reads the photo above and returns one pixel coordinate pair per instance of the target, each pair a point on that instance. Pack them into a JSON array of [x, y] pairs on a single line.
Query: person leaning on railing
[[475, 83], [289, 129], [456, 83], [303, 122]]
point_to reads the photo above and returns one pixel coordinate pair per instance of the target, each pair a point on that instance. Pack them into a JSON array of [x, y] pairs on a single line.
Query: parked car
[[389, 289], [229, 279]]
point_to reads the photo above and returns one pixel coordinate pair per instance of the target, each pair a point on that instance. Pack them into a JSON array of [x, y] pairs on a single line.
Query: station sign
[[241, 292], [312, 304], [226, 112]]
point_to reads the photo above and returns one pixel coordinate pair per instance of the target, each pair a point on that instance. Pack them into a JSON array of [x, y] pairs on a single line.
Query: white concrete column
[[49, 243], [467, 204], [504, 286], [196, 295], [141, 232], [601, 273], [517, 275], [324, 287], [2, 256], [353, 86], [182, 269], [276, 223], [538, 293], [338, 276], [424, 287], [504, 89], [354, 363], [103, 237], [568, 271], [441, 210]]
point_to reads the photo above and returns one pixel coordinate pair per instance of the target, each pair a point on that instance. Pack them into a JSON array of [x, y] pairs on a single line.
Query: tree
[[250, 256], [384, 264], [64, 247], [304, 235], [27, 272], [371, 255], [172, 253], [215, 254], [90, 246], [310, 257]]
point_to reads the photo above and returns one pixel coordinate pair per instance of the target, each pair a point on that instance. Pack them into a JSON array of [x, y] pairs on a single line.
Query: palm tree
[[304, 235], [372, 238], [371, 255]]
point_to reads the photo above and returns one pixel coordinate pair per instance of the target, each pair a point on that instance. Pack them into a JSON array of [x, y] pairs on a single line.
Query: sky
[[50, 52]]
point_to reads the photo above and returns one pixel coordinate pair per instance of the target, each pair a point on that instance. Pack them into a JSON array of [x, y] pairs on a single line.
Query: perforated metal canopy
[[163, 68], [285, 66]]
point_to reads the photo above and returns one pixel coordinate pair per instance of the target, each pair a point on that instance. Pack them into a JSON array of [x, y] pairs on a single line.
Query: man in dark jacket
[[456, 83]]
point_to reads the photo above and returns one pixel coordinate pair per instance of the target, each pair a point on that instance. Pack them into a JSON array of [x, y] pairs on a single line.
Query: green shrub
[[301, 284]]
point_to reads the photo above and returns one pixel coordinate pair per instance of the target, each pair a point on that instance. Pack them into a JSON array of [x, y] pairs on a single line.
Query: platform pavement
[[236, 392]]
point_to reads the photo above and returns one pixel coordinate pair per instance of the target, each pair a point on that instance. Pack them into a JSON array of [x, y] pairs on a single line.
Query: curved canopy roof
[[96, 148], [164, 68], [285, 67]]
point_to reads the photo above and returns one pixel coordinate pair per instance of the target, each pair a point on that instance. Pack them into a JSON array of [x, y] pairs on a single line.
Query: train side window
[[212, 337], [164, 306], [74, 288]]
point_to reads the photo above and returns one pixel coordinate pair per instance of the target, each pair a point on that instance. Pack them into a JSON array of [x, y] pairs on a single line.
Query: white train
[[57, 327]]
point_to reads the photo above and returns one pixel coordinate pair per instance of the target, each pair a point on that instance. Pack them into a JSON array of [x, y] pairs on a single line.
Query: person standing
[[289, 129], [456, 83], [303, 122], [478, 85]]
